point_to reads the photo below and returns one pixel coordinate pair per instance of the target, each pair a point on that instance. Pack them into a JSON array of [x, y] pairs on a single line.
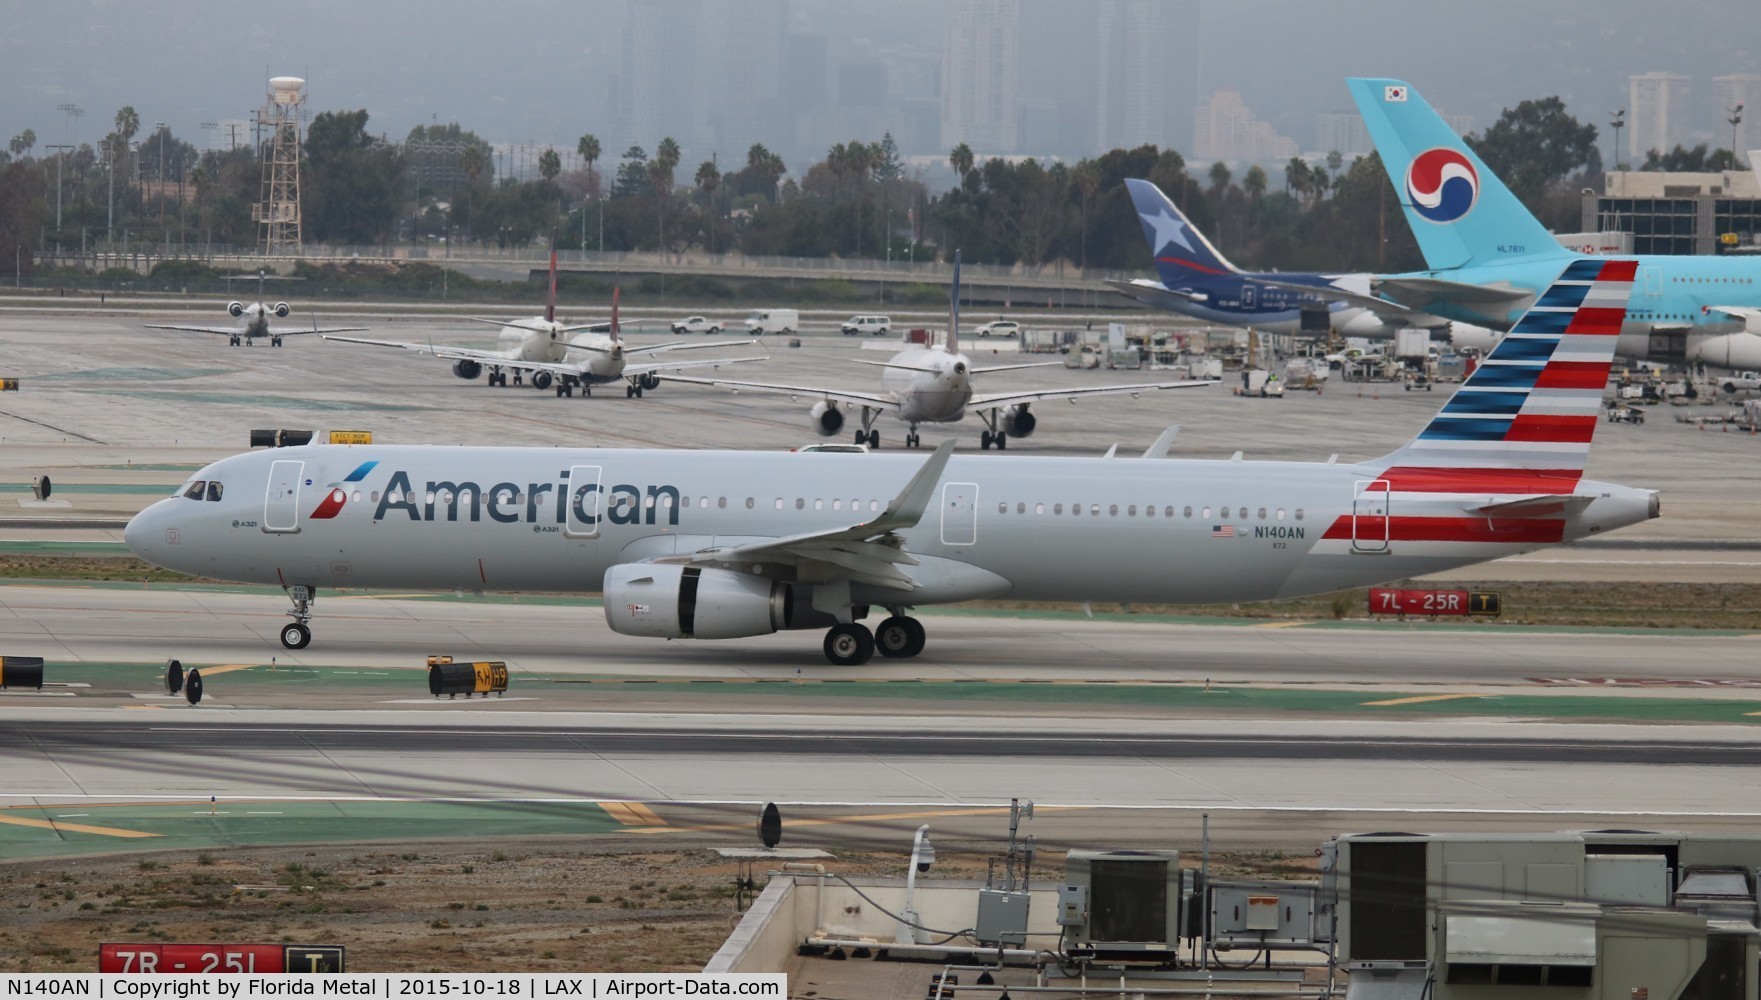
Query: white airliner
[[540, 348], [254, 322], [934, 385], [723, 545]]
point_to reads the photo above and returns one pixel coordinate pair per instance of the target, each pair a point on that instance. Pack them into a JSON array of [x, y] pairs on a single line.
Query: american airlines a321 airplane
[[724, 545], [253, 322], [934, 385], [541, 348]]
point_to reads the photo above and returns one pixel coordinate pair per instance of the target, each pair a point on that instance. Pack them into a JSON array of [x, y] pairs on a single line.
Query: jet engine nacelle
[[685, 602], [1017, 422], [282, 309], [1729, 350], [466, 368], [235, 308], [1463, 336], [828, 419]]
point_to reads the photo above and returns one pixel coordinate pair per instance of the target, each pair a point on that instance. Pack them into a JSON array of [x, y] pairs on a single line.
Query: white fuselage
[[1032, 528], [932, 387], [541, 342]]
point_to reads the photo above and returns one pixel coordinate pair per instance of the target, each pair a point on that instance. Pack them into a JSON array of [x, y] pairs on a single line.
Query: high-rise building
[[1655, 105], [1728, 92], [979, 75], [1139, 46], [1342, 133], [657, 93], [744, 47], [1225, 129]]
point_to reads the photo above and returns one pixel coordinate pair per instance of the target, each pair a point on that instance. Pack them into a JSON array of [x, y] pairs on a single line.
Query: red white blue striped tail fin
[[1522, 422]]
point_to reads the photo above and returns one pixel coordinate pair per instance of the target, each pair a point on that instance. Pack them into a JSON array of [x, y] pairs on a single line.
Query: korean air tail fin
[[1522, 422], [1181, 252], [1460, 212]]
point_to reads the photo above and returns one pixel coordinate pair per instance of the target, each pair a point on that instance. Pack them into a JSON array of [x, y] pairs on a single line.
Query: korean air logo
[[336, 494], [1442, 185]]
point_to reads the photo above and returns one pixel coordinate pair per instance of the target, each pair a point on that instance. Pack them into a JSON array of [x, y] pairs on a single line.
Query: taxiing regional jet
[[540, 349], [934, 385], [253, 322], [725, 545]]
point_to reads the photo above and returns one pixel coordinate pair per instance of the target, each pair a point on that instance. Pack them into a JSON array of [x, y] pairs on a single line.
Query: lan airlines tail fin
[[1181, 252], [1522, 422], [1460, 212]]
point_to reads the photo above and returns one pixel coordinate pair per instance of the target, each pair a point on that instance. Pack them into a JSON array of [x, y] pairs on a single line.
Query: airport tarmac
[[118, 415]]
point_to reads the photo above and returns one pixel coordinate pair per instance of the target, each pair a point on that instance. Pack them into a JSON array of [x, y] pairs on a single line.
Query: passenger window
[[1075, 510], [430, 496], [374, 496], [1130, 511], [195, 490], [1020, 508], [355, 497], [1095, 509], [1002, 508], [1168, 511], [1262, 513], [838, 503], [721, 502], [1280, 513], [800, 503], [1149, 510], [1057, 508], [779, 503], [1299, 513], [1039, 508], [818, 504], [873, 505], [1189, 512], [1205, 513], [1224, 513]]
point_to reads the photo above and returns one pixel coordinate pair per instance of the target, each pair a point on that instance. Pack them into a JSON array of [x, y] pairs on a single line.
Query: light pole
[[159, 179], [60, 157], [110, 184], [1617, 123], [923, 855], [1735, 119]]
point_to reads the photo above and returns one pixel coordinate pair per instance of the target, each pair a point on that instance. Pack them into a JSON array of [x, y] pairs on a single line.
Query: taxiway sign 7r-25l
[[724, 545]]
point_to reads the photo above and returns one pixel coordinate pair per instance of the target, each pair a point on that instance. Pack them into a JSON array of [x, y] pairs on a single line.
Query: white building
[[1728, 92], [1656, 103], [1225, 129]]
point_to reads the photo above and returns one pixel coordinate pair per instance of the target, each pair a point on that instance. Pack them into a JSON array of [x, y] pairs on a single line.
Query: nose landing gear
[[297, 634]]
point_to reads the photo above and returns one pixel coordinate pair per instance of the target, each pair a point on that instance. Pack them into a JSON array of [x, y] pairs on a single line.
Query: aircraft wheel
[[1002, 440], [295, 635], [274, 341], [638, 392], [984, 440], [899, 637], [629, 392], [874, 439], [849, 645]]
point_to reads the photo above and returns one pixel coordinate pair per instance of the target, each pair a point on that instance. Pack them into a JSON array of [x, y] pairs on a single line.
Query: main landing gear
[[852, 644], [869, 438], [296, 634]]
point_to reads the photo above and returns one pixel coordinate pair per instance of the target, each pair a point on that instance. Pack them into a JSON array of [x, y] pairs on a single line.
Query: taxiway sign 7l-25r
[[724, 545]]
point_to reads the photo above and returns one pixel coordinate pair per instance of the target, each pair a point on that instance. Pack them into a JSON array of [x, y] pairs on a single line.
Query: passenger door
[[960, 514], [586, 505], [281, 502], [1369, 517]]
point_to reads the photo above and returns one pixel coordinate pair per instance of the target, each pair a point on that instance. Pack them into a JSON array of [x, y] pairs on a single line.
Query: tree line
[[441, 183]]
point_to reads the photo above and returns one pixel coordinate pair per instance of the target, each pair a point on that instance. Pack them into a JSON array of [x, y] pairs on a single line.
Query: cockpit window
[[195, 490], [214, 490]]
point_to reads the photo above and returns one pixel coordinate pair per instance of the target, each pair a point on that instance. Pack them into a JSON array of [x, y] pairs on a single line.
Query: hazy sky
[[545, 70]]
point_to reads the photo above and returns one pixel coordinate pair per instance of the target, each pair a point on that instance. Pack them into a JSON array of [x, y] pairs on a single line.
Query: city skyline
[[1047, 78]]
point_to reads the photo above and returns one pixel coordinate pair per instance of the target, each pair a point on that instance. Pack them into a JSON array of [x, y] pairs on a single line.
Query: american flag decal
[[1222, 531]]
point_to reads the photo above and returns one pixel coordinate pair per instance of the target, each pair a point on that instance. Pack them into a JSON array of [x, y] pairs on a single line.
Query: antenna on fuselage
[[953, 344]]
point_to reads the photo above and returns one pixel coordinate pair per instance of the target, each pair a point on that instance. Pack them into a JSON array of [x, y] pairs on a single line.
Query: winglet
[[1163, 442], [550, 303], [907, 508]]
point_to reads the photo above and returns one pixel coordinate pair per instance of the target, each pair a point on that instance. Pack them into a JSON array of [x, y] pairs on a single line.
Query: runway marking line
[[632, 814], [874, 818], [49, 824], [1420, 699], [1281, 625], [226, 668]]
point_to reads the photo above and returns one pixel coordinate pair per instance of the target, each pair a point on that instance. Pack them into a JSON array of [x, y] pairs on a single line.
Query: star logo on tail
[[1168, 230]]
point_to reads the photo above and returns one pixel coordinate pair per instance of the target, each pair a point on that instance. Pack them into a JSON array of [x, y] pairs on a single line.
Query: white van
[[763, 321], [877, 325]]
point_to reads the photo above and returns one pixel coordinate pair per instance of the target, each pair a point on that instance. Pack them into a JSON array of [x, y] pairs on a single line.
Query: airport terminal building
[[1679, 213]]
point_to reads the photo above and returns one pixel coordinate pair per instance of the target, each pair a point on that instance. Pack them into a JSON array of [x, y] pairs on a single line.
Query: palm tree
[[862, 158], [588, 147], [708, 178], [961, 160], [549, 164], [1086, 179]]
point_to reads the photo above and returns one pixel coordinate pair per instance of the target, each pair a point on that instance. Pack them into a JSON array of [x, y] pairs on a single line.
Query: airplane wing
[[673, 366], [1154, 292], [1750, 316], [438, 351], [224, 331], [870, 399], [685, 346], [997, 400], [281, 332], [539, 326], [1419, 293], [1010, 368], [870, 552]]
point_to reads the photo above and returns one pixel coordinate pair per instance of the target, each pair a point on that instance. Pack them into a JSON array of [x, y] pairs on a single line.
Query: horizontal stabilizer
[[1536, 506]]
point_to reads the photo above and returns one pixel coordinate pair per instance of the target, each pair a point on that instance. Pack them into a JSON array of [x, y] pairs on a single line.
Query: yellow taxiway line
[[49, 824], [1419, 699]]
